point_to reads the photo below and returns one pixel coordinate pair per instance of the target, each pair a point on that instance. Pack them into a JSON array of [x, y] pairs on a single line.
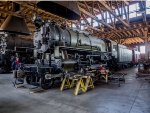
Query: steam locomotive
[[10, 45], [56, 47]]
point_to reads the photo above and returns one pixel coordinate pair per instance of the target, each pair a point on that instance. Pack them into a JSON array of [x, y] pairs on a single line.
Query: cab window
[[114, 47]]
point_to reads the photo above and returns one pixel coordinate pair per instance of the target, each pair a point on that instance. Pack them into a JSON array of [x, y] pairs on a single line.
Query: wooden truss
[[116, 11]]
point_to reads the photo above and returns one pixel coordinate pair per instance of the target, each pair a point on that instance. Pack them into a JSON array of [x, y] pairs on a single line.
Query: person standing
[[13, 67], [17, 63]]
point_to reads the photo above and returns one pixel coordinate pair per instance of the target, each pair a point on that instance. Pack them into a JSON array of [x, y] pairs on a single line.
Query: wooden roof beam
[[138, 31], [129, 32], [137, 40], [132, 36], [130, 41], [89, 7], [129, 29], [84, 18], [111, 11], [88, 24], [95, 18], [25, 4], [100, 11], [10, 13], [126, 2]]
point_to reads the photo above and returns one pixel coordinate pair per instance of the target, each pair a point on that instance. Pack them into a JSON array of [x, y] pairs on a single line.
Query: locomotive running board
[[81, 49]]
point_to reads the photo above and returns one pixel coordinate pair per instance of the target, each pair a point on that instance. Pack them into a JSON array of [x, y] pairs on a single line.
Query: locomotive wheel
[[46, 83], [30, 79]]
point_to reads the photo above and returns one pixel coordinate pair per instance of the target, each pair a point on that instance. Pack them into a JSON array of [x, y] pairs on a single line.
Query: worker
[[104, 73], [101, 68]]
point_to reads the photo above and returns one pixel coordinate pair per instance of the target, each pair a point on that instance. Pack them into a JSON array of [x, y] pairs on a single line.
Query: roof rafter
[[95, 18], [111, 11]]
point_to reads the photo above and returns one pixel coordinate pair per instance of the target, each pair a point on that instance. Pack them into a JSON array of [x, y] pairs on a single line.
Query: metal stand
[[118, 77], [81, 83]]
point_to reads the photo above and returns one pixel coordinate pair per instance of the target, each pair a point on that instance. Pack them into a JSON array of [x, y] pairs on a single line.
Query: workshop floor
[[131, 97]]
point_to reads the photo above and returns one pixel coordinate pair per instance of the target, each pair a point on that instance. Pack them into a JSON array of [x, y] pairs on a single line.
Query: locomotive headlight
[[6, 35]]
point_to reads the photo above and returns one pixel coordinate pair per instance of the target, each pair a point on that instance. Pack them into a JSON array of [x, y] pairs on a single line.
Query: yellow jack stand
[[69, 82], [74, 82], [105, 76], [65, 84], [83, 84]]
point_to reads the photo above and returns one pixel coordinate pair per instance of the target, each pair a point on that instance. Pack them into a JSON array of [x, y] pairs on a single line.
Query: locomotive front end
[[46, 36]]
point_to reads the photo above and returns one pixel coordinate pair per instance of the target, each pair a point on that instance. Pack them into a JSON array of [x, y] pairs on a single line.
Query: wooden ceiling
[[121, 31]]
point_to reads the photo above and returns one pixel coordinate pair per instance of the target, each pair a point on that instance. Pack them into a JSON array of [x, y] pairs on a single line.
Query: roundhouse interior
[[75, 56]]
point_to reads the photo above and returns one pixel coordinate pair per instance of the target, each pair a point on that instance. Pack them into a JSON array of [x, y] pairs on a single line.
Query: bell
[[65, 9], [16, 25]]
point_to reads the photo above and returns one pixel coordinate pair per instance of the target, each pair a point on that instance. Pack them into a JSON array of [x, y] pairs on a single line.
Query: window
[[133, 7], [82, 27], [108, 20], [114, 47], [116, 12], [82, 22], [99, 16], [131, 15], [89, 20], [138, 14], [148, 10], [124, 17], [142, 49], [137, 7], [147, 3], [73, 25], [95, 23]]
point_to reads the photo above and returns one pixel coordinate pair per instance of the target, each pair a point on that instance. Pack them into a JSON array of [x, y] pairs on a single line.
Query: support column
[[147, 45]]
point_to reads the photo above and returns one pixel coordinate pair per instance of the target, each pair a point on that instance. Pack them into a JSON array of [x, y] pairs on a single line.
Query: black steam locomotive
[[56, 47], [11, 45]]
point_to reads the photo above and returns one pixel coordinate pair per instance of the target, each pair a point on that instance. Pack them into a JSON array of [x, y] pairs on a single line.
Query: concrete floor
[[131, 97]]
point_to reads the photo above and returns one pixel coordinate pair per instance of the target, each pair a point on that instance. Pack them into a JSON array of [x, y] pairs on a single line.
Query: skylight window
[[133, 7], [131, 15], [148, 11], [133, 12], [142, 49], [147, 3], [89, 20], [82, 27], [108, 20], [99, 16], [73, 25], [95, 24]]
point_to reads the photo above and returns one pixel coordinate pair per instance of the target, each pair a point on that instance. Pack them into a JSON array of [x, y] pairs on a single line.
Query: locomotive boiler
[[50, 36]]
